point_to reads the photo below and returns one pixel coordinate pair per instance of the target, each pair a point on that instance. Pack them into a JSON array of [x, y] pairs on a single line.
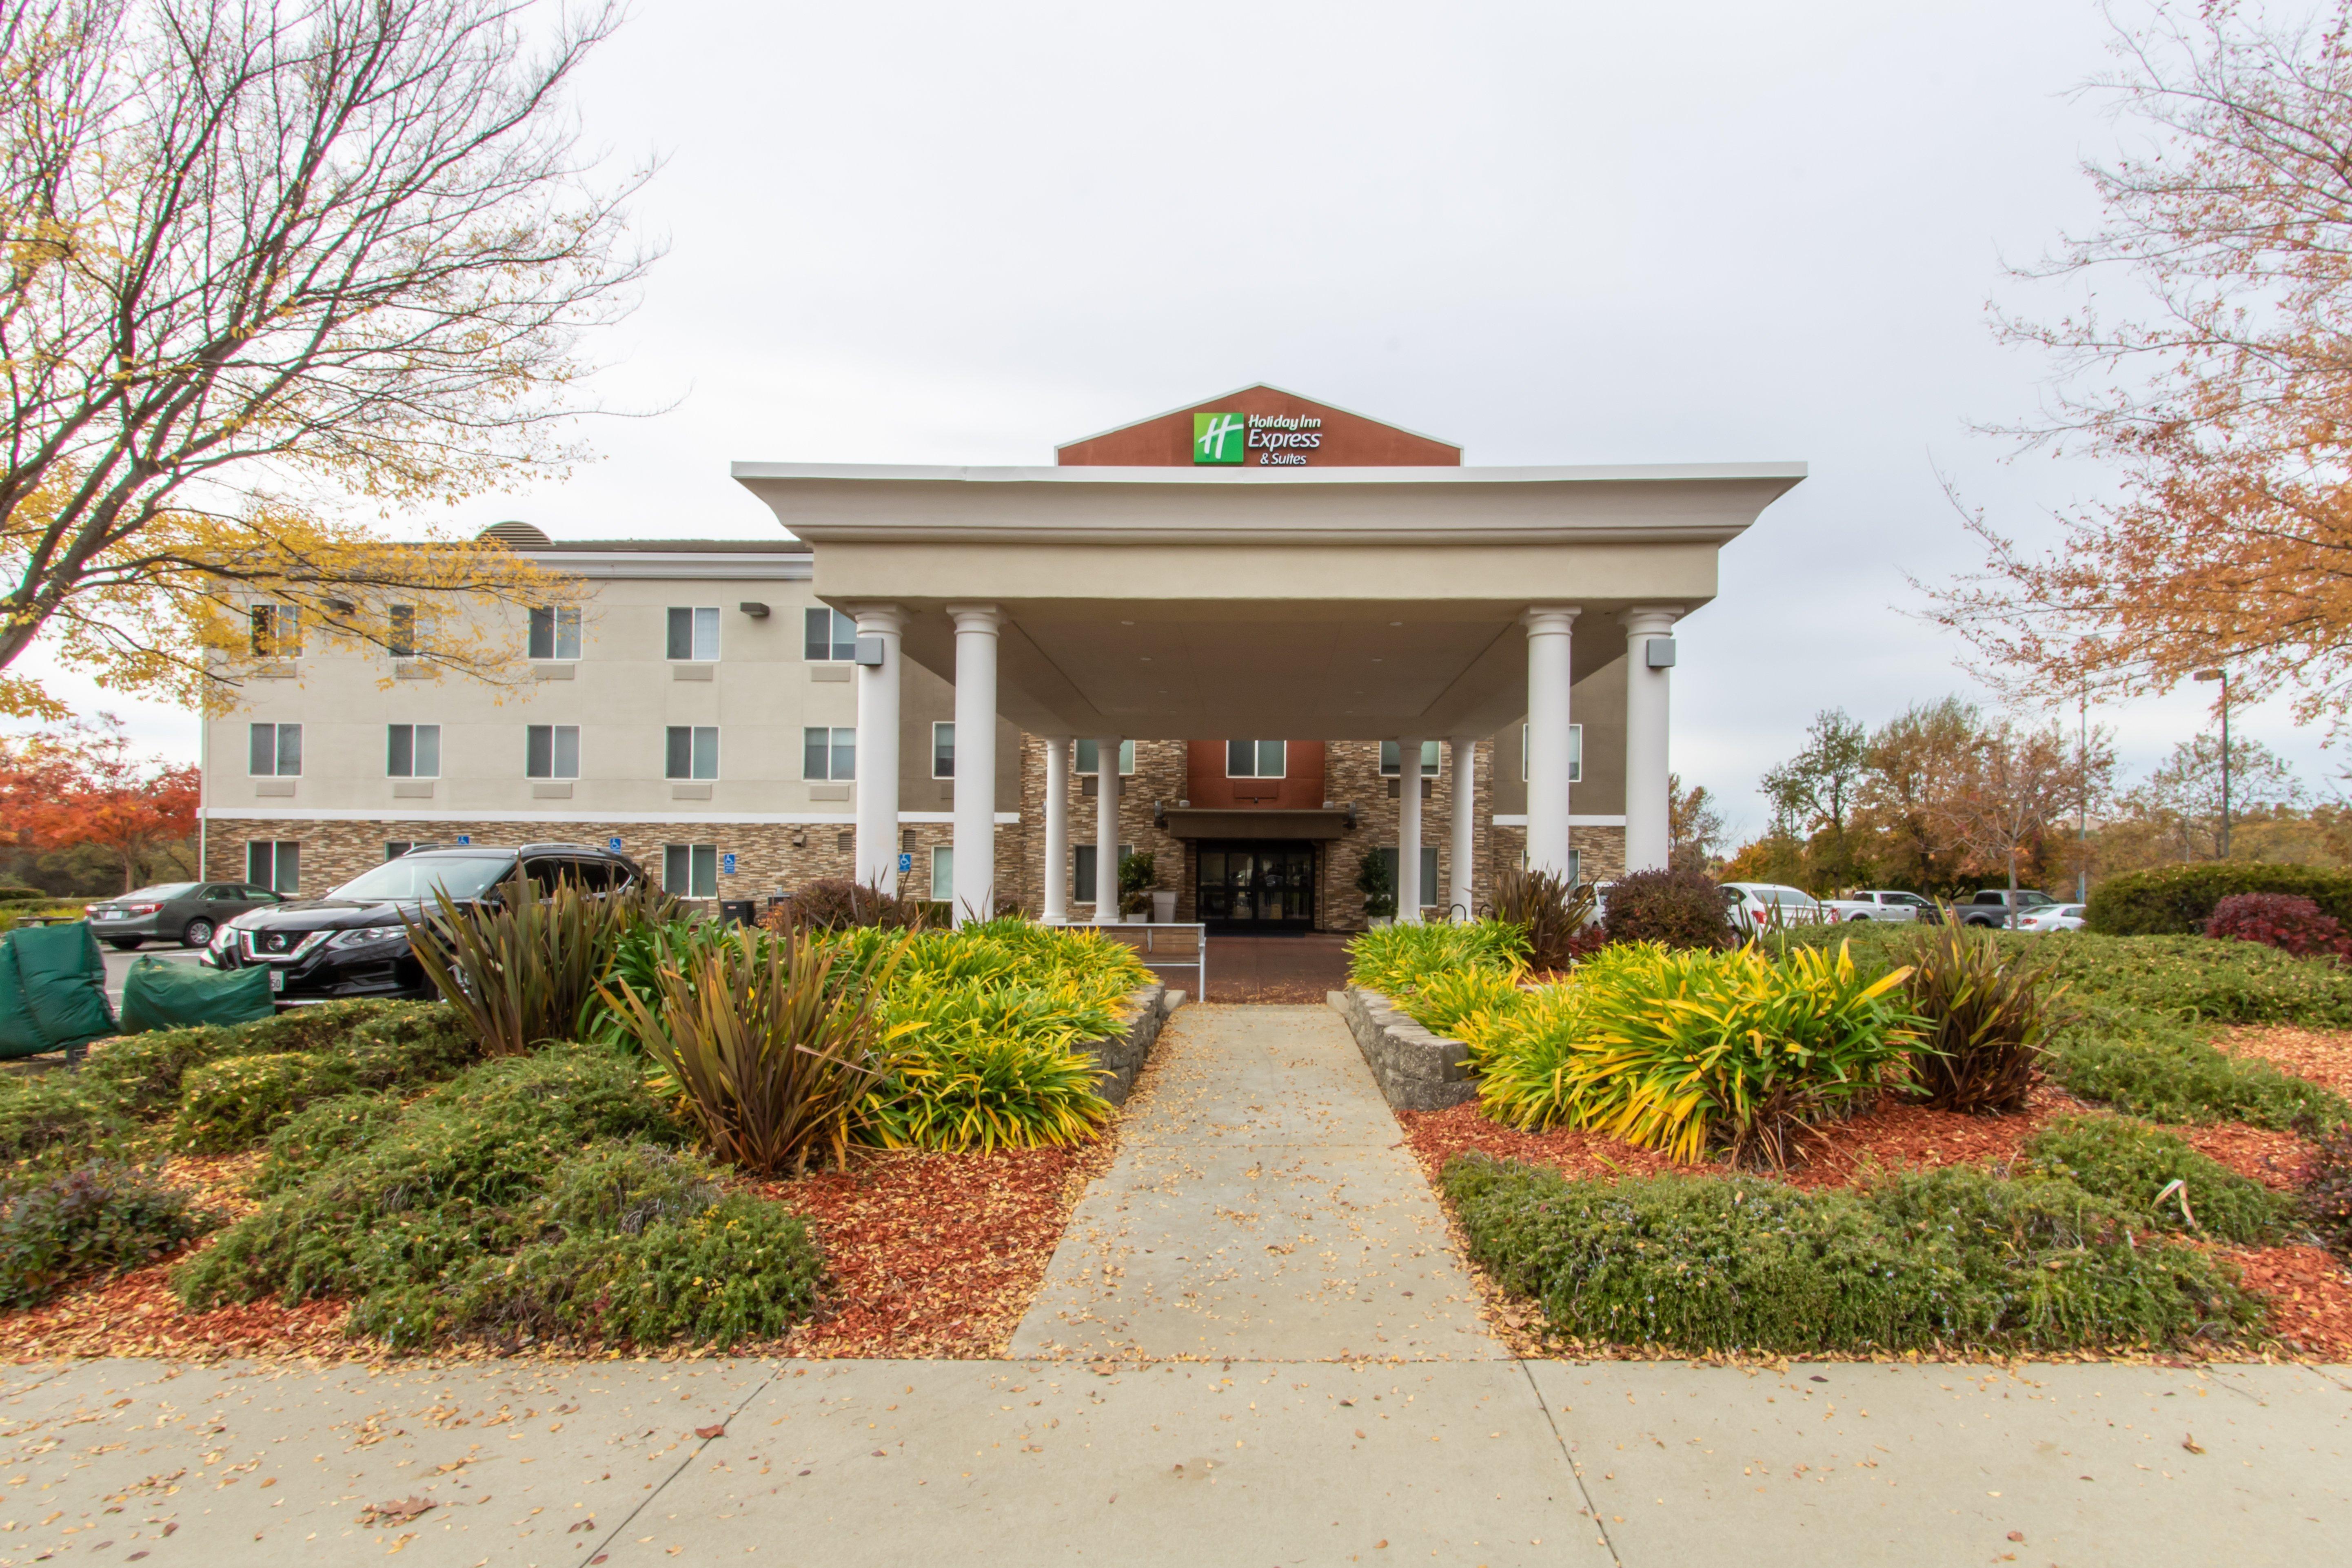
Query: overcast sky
[[1564, 232]]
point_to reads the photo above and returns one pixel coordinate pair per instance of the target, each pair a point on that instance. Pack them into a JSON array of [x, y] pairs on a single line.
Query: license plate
[[276, 979]]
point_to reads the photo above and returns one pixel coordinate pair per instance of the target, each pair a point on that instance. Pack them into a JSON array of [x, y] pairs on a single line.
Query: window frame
[[1125, 760], [277, 751], [280, 850], [834, 645], [555, 734], [400, 630], [284, 635], [936, 726], [694, 626], [694, 855], [693, 733], [833, 752], [936, 896], [557, 620], [1431, 895], [415, 736], [1083, 891], [1432, 760], [1257, 759], [1575, 753]]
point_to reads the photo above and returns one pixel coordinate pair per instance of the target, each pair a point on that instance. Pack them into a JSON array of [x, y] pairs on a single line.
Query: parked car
[[185, 913], [1878, 905], [351, 943], [1752, 905], [2053, 917], [1994, 905]]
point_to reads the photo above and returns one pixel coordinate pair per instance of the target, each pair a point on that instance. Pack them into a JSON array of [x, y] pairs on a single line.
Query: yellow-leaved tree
[[270, 269], [2215, 378]]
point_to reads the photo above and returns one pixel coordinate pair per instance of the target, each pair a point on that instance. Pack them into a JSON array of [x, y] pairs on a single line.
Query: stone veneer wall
[[772, 854]]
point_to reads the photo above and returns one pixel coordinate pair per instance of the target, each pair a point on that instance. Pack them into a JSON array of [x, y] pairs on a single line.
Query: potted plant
[[1136, 875], [1372, 880]]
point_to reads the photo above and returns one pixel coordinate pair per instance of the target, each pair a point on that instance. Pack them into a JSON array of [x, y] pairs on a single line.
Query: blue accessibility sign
[[613, 844], [905, 862], [727, 865]]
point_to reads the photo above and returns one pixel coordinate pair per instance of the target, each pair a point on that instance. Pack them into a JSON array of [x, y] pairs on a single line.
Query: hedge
[[2176, 901]]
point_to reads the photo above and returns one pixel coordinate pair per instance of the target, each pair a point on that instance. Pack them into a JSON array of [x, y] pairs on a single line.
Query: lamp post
[[2223, 677]]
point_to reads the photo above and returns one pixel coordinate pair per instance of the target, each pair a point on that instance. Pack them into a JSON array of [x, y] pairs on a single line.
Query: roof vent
[[517, 535]]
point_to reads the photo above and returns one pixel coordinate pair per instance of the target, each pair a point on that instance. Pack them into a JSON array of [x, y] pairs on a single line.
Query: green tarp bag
[[161, 995], [52, 990]]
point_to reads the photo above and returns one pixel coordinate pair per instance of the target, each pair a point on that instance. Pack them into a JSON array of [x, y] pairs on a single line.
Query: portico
[[1322, 605]]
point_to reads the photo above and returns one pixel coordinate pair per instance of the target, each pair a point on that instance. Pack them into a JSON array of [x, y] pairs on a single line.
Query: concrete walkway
[[1262, 1206], [850, 1463]]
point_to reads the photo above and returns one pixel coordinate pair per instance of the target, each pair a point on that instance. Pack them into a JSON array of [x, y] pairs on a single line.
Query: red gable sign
[[1260, 427]]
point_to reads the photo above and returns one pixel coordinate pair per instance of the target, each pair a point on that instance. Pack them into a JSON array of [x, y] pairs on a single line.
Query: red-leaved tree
[[80, 782]]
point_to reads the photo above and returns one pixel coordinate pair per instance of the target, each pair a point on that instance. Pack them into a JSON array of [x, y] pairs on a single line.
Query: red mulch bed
[[2310, 1298], [935, 1255], [2323, 1056]]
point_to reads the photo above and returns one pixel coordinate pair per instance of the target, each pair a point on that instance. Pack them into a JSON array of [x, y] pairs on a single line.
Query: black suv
[[351, 944]]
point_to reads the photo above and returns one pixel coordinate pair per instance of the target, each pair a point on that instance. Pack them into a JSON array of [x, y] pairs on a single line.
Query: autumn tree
[[1693, 823], [1914, 763], [2015, 781], [2182, 797], [265, 264], [1813, 792], [82, 784], [2219, 389]]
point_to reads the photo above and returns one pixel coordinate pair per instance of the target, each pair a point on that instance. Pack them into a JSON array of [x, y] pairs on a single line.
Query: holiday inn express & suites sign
[[1278, 440]]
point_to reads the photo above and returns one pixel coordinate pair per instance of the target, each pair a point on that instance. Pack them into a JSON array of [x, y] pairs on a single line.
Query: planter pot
[[1163, 908]]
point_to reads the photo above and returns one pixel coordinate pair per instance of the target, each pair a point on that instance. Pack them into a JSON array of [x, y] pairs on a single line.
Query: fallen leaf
[[718, 1431], [2017, 1535], [399, 1512], [2189, 1443]]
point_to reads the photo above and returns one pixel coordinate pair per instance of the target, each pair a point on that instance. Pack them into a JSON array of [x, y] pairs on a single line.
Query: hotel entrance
[[1257, 887]]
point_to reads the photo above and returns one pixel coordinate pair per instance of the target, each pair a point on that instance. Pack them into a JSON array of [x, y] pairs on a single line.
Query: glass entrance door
[[1257, 887]]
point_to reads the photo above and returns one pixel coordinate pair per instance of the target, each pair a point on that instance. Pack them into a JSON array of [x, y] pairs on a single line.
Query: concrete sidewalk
[[1262, 1205], [1490, 1462]]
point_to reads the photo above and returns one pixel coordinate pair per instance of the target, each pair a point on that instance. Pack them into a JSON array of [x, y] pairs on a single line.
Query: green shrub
[[228, 1104], [1687, 1050], [322, 1132], [2326, 1198], [438, 1186], [1554, 916], [2176, 900], [679, 943], [630, 1244], [1987, 1009], [60, 1117], [1463, 1004], [2129, 1163], [979, 1078], [1395, 959], [100, 1217], [1944, 1260], [14, 892], [2155, 1067], [525, 969]]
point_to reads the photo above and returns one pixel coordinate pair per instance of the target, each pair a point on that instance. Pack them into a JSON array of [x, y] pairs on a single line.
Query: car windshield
[[414, 877], [164, 890], [1790, 896]]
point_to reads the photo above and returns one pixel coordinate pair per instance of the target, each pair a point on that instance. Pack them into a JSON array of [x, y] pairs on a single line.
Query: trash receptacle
[[739, 911]]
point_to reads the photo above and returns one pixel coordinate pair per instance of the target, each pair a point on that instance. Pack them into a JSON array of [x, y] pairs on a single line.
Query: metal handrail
[[1199, 936]]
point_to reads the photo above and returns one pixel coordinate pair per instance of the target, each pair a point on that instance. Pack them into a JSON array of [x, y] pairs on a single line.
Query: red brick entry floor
[[1276, 968]]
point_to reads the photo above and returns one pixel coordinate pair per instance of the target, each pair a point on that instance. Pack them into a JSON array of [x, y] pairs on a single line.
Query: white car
[[1751, 906], [2052, 917], [1876, 905]]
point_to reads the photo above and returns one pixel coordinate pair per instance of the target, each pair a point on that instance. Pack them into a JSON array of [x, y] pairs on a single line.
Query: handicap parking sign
[[465, 838], [727, 865], [905, 862], [613, 844]]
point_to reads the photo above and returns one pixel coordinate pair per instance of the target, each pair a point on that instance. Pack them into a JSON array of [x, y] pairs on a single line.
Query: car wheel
[[197, 932], [123, 943], [1856, 920]]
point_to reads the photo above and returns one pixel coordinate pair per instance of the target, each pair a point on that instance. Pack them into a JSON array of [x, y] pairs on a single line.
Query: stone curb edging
[[1122, 1057], [1417, 1071]]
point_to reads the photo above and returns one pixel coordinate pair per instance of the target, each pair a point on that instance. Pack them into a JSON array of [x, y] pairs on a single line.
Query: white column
[[1648, 837], [1057, 829], [1461, 898], [1106, 830], [975, 760], [877, 749], [1408, 876], [1550, 675]]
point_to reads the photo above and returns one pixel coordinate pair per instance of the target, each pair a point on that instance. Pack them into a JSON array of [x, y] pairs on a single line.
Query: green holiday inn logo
[[1217, 437]]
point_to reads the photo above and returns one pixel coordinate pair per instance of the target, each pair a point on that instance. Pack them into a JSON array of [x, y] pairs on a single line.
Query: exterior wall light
[[1660, 652]]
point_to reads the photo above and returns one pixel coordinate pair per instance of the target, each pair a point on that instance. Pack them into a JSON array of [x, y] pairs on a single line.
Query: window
[[690, 871], [555, 632], [276, 631], [694, 633], [397, 847], [1431, 894], [276, 865], [693, 752], [275, 750], [1575, 753], [831, 636], [943, 751], [828, 754], [412, 751], [943, 873], [1429, 755], [400, 631], [1252, 759], [1082, 870], [1087, 761], [552, 752]]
